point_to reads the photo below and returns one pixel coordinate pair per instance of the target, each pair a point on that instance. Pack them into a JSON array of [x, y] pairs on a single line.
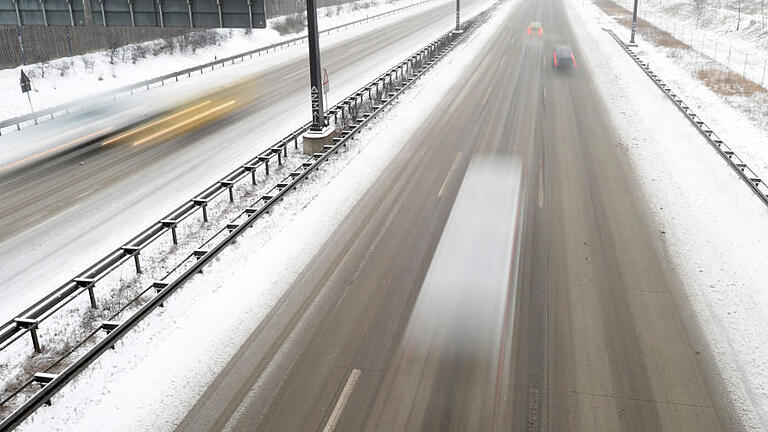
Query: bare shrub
[[63, 67], [293, 23], [728, 83], [88, 62]]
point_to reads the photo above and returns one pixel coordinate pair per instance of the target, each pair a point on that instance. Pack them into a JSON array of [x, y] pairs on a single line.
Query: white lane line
[[450, 171], [541, 183], [342, 402]]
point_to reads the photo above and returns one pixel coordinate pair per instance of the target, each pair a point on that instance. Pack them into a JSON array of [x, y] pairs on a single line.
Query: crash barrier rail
[[91, 101], [755, 183], [349, 117]]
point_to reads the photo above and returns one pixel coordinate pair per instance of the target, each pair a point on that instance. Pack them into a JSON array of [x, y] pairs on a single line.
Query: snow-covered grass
[[713, 228], [72, 78], [736, 109], [711, 30], [144, 384]]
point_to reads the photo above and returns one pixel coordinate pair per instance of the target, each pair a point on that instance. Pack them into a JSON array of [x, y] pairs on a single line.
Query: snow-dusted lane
[[88, 202], [145, 385], [712, 226]]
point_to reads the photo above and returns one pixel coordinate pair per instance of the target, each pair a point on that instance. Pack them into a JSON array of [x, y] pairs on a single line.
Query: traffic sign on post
[[26, 85]]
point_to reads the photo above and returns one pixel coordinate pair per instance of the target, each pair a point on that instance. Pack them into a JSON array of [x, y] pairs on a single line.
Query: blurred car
[[536, 27], [563, 57]]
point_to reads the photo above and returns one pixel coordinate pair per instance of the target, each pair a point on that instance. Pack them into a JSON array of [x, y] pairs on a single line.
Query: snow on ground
[[93, 73], [741, 120], [140, 205], [714, 229], [143, 384], [714, 32]]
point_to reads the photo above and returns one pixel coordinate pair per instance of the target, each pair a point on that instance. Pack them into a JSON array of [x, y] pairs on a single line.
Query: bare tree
[[762, 13], [699, 5], [738, 21]]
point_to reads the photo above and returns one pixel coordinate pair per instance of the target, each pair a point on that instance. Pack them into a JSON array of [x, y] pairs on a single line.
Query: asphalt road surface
[[597, 340], [62, 213]]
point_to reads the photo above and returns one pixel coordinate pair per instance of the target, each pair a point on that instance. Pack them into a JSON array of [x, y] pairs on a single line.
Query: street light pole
[[315, 76], [458, 19], [634, 24]]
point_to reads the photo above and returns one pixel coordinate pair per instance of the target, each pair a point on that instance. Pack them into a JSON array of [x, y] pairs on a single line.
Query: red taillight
[[573, 60], [529, 30], [541, 31], [554, 56]]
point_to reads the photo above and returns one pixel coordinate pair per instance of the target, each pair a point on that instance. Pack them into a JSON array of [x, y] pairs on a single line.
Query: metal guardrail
[[350, 116], [100, 98], [755, 183]]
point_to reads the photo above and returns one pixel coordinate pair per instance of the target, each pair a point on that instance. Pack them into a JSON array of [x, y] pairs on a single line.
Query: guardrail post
[[229, 185], [203, 204], [134, 252], [88, 284], [159, 286], [265, 159], [31, 325], [171, 223]]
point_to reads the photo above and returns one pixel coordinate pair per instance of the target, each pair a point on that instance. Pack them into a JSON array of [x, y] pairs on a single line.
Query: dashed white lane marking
[[450, 171], [342, 402], [541, 183]]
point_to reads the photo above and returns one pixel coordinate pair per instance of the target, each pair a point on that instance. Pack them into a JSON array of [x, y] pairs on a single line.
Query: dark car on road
[[563, 57]]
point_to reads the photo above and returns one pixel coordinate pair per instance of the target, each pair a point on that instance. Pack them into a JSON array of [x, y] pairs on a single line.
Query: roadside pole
[[315, 77], [319, 132], [634, 24], [458, 14]]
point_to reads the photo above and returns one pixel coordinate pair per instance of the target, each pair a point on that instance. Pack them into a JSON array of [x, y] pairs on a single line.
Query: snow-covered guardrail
[[350, 116], [91, 101], [739, 166]]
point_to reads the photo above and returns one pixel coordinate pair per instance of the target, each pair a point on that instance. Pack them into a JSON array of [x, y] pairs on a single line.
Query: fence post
[[763, 78], [716, 41], [69, 44], [746, 59], [21, 46]]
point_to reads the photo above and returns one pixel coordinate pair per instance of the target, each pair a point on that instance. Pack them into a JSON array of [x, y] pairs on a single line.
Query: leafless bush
[[728, 83], [293, 23], [63, 67], [88, 62], [138, 52], [42, 67]]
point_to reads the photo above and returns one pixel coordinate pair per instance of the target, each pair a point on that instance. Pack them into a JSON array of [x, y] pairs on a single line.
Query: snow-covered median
[[157, 372], [714, 229]]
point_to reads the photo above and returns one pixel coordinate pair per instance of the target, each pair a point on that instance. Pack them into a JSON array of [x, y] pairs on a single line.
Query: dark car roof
[[563, 50]]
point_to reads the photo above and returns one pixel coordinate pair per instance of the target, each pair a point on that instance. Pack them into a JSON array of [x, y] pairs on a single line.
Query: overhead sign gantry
[[135, 13]]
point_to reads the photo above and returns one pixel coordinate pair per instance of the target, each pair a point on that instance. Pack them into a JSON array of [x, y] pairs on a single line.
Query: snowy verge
[[741, 120], [143, 384], [713, 228]]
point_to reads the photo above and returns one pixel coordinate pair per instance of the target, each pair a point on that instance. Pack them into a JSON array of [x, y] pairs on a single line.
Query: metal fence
[[750, 178], [750, 63]]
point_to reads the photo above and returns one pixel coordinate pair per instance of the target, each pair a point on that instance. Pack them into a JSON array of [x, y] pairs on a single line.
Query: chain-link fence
[[34, 44], [735, 56]]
